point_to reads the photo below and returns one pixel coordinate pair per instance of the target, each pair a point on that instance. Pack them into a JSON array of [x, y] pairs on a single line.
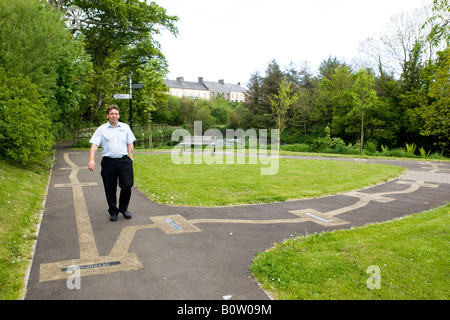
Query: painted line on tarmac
[[119, 259]]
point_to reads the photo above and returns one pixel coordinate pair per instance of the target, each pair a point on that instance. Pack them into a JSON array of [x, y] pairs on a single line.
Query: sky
[[233, 39]]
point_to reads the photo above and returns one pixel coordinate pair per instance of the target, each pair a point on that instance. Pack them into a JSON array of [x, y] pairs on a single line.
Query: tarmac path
[[186, 253]]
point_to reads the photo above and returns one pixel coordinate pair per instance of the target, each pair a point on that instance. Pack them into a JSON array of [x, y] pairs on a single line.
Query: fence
[[143, 133], [83, 134]]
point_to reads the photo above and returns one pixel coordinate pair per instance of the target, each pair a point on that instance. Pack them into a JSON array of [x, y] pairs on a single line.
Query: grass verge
[[22, 192], [412, 255], [233, 184]]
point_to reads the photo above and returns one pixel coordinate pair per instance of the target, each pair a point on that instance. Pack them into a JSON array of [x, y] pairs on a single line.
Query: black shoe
[[126, 214], [113, 217]]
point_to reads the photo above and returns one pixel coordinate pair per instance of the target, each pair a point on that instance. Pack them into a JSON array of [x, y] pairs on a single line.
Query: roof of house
[[219, 86], [189, 85], [223, 87]]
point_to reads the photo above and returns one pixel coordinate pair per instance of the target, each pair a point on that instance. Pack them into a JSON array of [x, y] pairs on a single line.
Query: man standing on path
[[116, 139]]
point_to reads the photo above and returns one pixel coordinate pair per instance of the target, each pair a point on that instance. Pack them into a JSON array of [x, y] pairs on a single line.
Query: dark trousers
[[114, 170]]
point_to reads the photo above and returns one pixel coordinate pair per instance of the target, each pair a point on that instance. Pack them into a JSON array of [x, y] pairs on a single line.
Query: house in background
[[194, 90], [205, 89]]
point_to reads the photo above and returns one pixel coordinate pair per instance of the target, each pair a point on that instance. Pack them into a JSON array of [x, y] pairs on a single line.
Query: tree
[[153, 95], [280, 105], [364, 97], [328, 67], [335, 100], [34, 41], [253, 113], [119, 36], [437, 114], [440, 21], [304, 107], [391, 50]]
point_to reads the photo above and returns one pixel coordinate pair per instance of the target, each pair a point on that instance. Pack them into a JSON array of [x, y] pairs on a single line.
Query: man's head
[[113, 114]]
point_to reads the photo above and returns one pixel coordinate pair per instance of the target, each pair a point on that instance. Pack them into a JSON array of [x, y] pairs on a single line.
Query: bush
[[296, 148], [25, 127], [370, 148]]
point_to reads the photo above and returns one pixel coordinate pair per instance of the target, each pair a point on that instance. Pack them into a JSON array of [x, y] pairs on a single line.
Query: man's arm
[[92, 152], [131, 150]]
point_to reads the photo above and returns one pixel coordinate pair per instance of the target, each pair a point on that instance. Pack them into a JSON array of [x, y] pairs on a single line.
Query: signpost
[[122, 96], [129, 96]]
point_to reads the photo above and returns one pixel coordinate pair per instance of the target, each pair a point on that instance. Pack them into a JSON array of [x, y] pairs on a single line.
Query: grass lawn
[[412, 255], [232, 184], [22, 193]]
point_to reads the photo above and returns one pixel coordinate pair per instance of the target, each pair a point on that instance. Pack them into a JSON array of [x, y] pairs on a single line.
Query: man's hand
[[91, 165], [92, 152]]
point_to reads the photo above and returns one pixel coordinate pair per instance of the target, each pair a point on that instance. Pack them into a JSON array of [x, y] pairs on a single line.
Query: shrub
[[299, 147], [370, 147], [25, 127], [423, 153], [410, 148]]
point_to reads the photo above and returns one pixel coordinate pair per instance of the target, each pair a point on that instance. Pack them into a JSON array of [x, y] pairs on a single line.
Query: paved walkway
[[167, 252]]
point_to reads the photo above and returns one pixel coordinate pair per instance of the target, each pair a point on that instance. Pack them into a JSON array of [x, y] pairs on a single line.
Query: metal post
[[131, 101]]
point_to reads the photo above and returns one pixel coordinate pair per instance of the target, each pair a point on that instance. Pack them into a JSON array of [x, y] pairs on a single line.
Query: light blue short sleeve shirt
[[114, 141]]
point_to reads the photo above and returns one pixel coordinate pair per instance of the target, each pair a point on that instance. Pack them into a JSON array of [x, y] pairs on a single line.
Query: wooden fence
[[143, 133]]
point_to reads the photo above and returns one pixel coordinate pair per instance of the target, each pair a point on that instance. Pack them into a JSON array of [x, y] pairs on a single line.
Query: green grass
[[232, 184], [22, 193], [412, 254]]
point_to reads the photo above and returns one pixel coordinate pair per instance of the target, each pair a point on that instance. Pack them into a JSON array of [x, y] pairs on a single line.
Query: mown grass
[[22, 193], [233, 184], [412, 255]]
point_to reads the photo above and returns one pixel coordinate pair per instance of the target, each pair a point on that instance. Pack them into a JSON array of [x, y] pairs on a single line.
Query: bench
[[198, 140]]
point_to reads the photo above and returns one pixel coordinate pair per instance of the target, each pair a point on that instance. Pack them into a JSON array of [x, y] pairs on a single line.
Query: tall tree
[[335, 100], [253, 113], [269, 88], [328, 67], [364, 97], [280, 104], [437, 114], [119, 36]]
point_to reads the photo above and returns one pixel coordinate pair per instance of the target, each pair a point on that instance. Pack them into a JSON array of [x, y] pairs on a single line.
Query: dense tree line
[[364, 102], [56, 77], [396, 94]]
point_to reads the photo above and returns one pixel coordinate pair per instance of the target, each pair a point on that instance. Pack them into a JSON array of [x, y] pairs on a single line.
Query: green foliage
[[410, 148], [220, 111], [25, 135], [423, 153], [440, 31], [119, 37], [35, 42], [280, 103], [436, 115]]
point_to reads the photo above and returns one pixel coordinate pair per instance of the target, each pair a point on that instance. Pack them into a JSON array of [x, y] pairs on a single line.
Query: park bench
[[198, 140]]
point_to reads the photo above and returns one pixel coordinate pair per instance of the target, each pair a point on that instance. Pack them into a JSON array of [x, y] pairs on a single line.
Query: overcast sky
[[232, 39]]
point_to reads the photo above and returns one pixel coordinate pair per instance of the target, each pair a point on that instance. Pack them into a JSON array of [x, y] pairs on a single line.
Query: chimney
[[222, 81], [200, 79], [180, 79]]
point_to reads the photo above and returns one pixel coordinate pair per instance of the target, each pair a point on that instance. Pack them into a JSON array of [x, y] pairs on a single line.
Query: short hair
[[113, 106]]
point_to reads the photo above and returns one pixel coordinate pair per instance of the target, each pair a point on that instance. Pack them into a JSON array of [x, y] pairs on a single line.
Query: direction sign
[[122, 96], [137, 86]]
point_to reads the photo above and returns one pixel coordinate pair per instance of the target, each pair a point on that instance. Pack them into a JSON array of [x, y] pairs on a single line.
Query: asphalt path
[[185, 253]]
